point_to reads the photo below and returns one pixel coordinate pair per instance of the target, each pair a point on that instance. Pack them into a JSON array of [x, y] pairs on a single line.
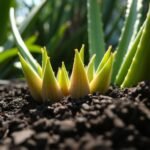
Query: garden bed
[[120, 119]]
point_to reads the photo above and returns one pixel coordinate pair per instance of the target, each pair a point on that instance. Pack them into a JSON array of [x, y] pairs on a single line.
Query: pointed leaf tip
[[82, 52], [50, 88], [79, 85], [104, 59], [102, 79], [63, 79], [91, 68]]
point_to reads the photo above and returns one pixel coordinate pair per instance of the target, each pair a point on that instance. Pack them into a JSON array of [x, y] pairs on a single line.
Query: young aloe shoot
[[46, 86], [52, 88]]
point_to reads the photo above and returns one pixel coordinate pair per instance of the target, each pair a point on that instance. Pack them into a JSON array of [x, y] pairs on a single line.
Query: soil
[[118, 120]]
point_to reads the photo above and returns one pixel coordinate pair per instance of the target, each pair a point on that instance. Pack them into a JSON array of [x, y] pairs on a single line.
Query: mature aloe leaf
[[95, 31], [105, 59], [139, 68], [50, 88], [63, 79], [128, 59], [22, 47], [101, 81], [33, 80], [79, 85], [133, 14], [91, 68]]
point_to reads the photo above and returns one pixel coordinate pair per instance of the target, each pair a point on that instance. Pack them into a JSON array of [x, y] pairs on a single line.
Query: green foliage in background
[[60, 26]]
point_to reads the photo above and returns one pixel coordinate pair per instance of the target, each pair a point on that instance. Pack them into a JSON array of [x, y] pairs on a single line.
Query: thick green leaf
[[128, 59], [95, 31], [129, 31], [139, 68]]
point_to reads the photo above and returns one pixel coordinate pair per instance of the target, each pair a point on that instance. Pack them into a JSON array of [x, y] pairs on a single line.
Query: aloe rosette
[[82, 81]]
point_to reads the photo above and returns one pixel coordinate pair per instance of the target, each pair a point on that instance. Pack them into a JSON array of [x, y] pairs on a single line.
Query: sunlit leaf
[[79, 85], [91, 69], [33, 80], [104, 59], [101, 81], [63, 79], [82, 52], [50, 89]]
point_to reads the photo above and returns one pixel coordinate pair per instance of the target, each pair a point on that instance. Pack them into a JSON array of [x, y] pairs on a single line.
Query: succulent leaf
[[129, 31], [59, 74], [50, 88], [91, 69], [44, 59], [139, 68], [79, 85], [104, 59], [33, 79], [128, 59], [63, 79], [82, 52], [95, 30], [102, 79]]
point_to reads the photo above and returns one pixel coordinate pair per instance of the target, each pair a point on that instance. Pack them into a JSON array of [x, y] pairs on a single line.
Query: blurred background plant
[[59, 25]]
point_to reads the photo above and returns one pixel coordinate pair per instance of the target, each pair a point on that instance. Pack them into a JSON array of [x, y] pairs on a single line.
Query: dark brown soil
[[120, 119]]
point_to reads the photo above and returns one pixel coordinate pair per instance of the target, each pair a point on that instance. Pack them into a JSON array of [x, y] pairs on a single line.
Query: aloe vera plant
[[130, 66], [45, 85]]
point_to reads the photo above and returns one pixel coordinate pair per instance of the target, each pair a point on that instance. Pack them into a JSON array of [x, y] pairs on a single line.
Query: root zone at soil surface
[[120, 119]]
